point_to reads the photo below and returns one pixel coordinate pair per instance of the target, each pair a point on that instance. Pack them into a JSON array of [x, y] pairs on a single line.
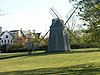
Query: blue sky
[[30, 14]]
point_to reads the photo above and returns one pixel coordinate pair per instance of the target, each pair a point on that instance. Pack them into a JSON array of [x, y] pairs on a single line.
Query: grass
[[11, 55], [75, 62]]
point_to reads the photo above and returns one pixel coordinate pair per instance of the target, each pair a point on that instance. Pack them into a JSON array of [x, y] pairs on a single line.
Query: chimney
[[0, 30]]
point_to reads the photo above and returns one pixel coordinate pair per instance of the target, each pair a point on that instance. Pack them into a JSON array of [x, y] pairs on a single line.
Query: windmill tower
[[58, 38]]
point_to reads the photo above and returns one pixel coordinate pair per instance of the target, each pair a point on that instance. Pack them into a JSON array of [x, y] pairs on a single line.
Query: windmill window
[[0, 38], [6, 36]]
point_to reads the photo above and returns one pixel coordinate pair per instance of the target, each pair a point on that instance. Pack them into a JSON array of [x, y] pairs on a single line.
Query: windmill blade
[[57, 13], [38, 43], [73, 34], [73, 26], [68, 25], [71, 14], [73, 23], [54, 13]]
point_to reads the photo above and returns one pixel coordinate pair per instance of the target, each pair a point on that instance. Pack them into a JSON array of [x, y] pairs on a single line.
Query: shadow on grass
[[12, 56], [84, 51], [67, 52], [47, 53], [84, 69]]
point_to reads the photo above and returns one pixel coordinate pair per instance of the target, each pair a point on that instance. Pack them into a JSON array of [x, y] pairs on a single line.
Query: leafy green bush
[[3, 48], [14, 48], [77, 46]]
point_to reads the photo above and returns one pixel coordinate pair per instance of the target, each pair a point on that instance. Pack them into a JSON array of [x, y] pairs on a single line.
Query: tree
[[18, 41], [90, 13]]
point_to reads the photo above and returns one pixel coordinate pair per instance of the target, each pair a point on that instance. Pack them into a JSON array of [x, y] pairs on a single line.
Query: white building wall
[[5, 40]]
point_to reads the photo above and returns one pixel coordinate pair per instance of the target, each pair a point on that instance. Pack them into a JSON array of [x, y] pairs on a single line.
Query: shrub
[[4, 48], [77, 46]]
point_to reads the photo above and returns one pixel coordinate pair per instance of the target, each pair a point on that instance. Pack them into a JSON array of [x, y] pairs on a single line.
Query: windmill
[[58, 38]]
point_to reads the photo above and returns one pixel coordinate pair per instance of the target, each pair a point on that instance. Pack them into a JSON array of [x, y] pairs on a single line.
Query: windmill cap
[[57, 22]]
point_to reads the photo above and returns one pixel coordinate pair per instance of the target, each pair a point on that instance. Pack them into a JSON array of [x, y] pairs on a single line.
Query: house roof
[[25, 32], [4, 32], [15, 31]]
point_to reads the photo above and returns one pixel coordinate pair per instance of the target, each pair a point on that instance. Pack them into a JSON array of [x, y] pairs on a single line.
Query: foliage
[[3, 48], [38, 43], [44, 43], [14, 48], [84, 40], [89, 12], [18, 41], [31, 37]]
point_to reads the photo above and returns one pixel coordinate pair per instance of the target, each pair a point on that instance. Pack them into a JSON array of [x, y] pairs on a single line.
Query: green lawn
[[11, 55], [75, 62]]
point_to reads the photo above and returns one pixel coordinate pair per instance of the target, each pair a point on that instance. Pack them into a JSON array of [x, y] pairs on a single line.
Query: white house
[[6, 38]]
